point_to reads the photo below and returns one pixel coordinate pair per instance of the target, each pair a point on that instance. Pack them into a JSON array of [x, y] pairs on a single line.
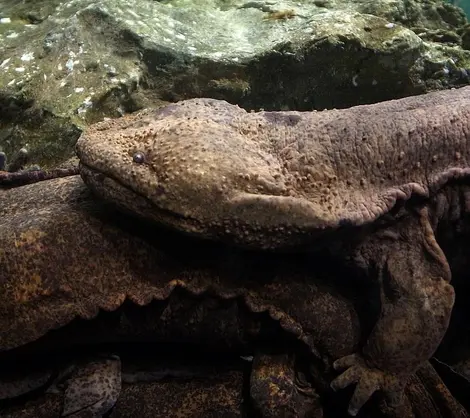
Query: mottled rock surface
[[65, 64]]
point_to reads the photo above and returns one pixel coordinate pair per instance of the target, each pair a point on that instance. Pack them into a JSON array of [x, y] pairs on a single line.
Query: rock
[[66, 64]]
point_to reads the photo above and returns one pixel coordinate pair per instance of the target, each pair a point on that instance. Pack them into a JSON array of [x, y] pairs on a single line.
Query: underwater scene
[[464, 4], [234, 208]]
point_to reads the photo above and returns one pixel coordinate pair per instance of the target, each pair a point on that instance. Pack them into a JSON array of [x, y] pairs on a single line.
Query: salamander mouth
[[115, 191], [97, 179], [134, 203]]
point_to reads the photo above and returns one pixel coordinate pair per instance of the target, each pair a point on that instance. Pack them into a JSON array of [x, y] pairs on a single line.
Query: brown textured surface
[[271, 383], [220, 394], [61, 257], [212, 397], [217, 396], [416, 303], [274, 179], [270, 179]]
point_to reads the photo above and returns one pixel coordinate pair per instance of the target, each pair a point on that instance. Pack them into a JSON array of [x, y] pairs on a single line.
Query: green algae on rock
[[66, 64]]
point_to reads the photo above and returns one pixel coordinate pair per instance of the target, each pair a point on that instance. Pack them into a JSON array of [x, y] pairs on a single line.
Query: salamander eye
[[138, 157]]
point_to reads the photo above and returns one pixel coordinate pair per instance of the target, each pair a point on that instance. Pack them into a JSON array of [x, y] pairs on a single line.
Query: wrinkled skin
[[413, 294], [302, 180], [45, 284], [200, 292]]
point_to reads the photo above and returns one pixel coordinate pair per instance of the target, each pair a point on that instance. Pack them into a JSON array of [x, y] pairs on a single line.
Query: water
[[464, 4]]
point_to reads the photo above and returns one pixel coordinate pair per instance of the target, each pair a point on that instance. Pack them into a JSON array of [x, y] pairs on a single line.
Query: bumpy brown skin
[[416, 301], [62, 256], [273, 179], [215, 396], [291, 179]]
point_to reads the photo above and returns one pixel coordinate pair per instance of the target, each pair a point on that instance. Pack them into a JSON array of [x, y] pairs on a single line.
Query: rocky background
[[65, 64]]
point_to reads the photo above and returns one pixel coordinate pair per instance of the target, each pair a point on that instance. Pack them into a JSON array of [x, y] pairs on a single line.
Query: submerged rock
[[66, 64]]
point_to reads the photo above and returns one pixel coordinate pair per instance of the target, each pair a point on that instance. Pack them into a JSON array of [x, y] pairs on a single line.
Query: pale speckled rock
[[64, 64], [93, 387], [212, 396]]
